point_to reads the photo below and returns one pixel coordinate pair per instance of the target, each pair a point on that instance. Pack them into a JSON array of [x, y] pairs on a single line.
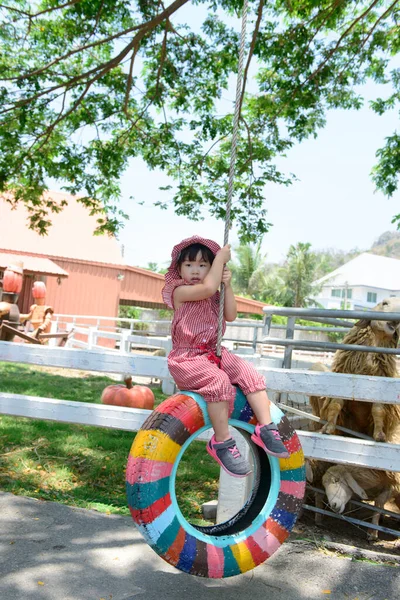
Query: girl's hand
[[225, 252], [226, 277]]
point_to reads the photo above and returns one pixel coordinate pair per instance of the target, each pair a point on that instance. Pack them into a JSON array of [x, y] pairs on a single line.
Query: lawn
[[80, 465]]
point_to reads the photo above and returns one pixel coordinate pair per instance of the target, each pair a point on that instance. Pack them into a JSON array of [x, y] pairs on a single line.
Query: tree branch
[[251, 50], [105, 67], [250, 159], [365, 40], [42, 12], [129, 81], [97, 19], [74, 51], [327, 58], [333, 6], [162, 56], [335, 48], [148, 25]]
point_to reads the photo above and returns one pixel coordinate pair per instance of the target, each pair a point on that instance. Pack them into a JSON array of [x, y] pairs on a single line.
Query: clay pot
[[39, 290], [132, 396], [13, 278]]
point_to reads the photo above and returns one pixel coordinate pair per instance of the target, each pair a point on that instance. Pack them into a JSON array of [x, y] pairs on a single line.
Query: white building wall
[[359, 297]]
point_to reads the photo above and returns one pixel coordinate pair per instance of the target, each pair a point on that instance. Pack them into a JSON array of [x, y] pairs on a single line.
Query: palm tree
[[249, 271], [298, 275]]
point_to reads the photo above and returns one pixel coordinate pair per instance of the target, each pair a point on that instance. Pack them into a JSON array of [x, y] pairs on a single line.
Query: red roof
[[32, 264], [70, 235]]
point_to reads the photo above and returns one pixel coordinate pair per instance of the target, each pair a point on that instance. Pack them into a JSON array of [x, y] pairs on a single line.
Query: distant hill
[[388, 244]]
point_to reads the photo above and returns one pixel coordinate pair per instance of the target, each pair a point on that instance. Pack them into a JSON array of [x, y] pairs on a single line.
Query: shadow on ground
[[54, 552]]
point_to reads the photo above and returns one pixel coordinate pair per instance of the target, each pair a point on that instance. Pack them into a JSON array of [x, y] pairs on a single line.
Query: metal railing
[[321, 315], [98, 327]]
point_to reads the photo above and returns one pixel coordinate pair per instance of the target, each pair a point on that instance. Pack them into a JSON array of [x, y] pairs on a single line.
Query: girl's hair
[[190, 253]]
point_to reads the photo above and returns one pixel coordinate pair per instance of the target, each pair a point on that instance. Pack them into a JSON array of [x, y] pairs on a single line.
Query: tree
[[249, 270], [298, 275], [88, 84], [153, 266]]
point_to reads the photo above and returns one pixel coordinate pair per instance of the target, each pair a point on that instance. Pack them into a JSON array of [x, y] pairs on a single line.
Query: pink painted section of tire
[[144, 470], [215, 560], [294, 488]]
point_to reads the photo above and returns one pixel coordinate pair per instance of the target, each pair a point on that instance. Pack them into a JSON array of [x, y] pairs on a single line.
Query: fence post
[[287, 359], [53, 329], [255, 336], [267, 325], [265, 330], [125, 345], [91, 341]]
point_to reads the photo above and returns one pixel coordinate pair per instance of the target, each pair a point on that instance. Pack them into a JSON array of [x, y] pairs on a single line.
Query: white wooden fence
[[330, 448]]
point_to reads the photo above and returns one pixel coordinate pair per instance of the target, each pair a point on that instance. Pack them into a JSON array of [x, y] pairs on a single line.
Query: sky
[[332, 205]]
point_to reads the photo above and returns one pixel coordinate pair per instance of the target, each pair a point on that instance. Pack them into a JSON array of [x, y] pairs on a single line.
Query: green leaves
[[86, 87], [386, 173]]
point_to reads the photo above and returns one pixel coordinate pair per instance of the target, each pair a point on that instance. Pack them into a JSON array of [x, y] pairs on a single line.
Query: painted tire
[[226, 549]]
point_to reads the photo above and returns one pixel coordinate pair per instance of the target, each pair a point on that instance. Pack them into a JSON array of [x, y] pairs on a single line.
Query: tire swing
[[237, 545], [259, 528]]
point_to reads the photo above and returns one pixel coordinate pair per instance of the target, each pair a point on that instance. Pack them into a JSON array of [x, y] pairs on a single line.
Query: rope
[[232, 162]]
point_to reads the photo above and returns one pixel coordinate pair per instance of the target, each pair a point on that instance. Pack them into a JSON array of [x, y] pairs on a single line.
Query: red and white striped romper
[[194, 338]]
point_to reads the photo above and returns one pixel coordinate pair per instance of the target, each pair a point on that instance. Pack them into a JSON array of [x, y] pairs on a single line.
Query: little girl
[[191, 290]]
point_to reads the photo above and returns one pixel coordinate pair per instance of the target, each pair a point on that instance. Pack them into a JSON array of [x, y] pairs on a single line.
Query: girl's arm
[[230, 308], [208, 287]]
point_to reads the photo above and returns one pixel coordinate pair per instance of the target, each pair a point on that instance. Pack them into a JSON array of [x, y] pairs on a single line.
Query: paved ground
[[53, 552]]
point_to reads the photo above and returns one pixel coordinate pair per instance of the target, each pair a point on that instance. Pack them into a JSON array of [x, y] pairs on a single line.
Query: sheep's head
[[388, 331], [340, 486]]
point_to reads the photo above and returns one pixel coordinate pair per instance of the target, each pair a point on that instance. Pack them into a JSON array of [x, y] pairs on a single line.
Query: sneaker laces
[[276, 435], [234, 451]]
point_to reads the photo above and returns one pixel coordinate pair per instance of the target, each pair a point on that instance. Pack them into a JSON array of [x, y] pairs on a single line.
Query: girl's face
[[194, 271]]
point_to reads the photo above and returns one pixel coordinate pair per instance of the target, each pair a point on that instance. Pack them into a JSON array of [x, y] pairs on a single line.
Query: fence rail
[[330, 448], [95, 327]]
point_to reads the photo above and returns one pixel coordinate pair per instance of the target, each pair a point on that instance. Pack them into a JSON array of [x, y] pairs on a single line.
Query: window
[[371, 297], [341, 293]]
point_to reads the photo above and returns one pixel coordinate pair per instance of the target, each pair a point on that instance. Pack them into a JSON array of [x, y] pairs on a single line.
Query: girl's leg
[[260, 404], [266, 433], [219, 413]]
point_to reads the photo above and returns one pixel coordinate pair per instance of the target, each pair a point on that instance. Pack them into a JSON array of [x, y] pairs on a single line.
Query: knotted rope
[[235, 132]]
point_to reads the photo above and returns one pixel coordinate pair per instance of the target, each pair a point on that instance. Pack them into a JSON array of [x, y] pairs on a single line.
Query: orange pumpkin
[[12, 280], [39, 290], [132, 396]]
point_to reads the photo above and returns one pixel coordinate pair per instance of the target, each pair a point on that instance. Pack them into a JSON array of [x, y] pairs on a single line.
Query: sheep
[[375, 419], [343, 482], [315, 469], [318, 403]]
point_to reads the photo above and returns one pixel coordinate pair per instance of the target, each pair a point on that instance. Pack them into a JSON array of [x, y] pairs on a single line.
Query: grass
[[81, 465]]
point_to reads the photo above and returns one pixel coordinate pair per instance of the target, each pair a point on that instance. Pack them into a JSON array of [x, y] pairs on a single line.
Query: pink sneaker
[[228, 456], [268, 437]]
